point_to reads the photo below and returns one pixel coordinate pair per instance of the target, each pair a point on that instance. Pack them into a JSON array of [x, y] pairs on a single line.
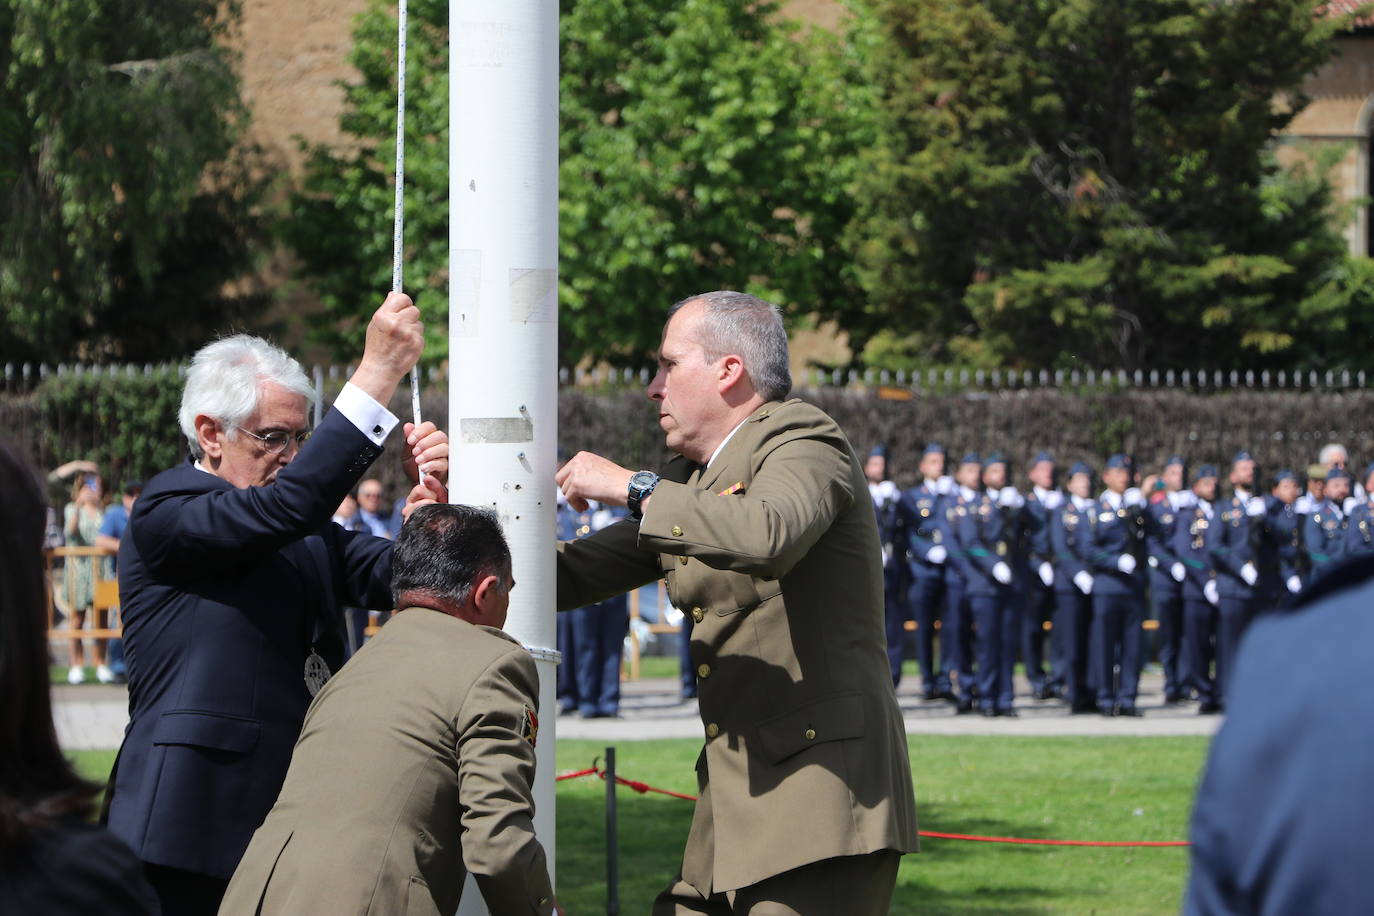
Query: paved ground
[[94, 716]]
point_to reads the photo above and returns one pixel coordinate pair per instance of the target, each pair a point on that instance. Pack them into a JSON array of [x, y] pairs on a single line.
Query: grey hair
[[749, 327], [1329, 451], [225, 379]]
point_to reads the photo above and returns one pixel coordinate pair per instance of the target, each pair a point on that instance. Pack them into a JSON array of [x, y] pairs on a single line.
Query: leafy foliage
[[703, 145], [126, 423], [123, 211], [1066, 180]]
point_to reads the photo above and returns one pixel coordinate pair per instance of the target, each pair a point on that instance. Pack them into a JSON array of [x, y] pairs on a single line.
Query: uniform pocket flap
[[831, 719], [207, 729]]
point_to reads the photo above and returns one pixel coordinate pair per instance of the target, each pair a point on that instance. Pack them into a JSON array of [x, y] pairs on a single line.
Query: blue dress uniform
[[1118, 599], [1070, 536], [1166, 590], [592, 638], [1199, 613], [1282, 569], [886, 497], [1234, 539], [1035, 553], [983, 530], [1326, 534], [921, 513], [956, 633]]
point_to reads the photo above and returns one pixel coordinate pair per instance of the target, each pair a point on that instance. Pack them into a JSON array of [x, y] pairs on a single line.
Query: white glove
[[1209, 591], [1255, 507], [1249, 573], [1177, 571], [936, 554], [1183, 499], [1134, 497], [1294, 584], [1084, 580], [1053, 500], [1349, 505], [1126, 563], [1047, 573], [1002, 573], [945, 485], [1009, 498], [887, 553]]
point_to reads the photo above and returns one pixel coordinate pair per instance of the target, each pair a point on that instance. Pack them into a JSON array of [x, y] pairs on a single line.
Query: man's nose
[[656, 386]]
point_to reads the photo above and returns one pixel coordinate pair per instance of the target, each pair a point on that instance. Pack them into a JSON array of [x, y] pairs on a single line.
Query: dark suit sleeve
[[183, 527], [1067, 559], [495, 774]]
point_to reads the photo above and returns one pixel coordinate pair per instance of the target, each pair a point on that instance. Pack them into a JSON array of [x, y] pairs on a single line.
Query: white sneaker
[[76, 675], [104, 675]]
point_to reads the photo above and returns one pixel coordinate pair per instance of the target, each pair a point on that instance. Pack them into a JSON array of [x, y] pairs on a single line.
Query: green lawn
[[1061, 788]]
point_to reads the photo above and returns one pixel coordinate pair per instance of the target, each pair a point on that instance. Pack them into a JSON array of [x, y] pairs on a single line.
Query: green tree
[[1079, 180], [703, 145], [123, 213]]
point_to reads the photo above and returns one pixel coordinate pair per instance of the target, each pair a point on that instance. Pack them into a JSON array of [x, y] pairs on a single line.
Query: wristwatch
[[641, 485]]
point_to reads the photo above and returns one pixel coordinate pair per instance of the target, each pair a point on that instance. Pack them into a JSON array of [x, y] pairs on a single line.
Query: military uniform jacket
[[1282, 554], [922, 514], [1070, 538], [1324, 535], [1161, 521], [983, 532], [1234, 539], [1190, 546], [886, 497], [774, 552], [413, 768], [1033, 527], [1360, 530], [1117, 530]]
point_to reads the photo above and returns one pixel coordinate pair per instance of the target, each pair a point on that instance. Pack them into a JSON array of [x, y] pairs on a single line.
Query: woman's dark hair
[[37, 784]]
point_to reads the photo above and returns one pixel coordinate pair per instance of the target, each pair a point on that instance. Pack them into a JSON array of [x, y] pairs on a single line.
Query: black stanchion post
[[612, 840]]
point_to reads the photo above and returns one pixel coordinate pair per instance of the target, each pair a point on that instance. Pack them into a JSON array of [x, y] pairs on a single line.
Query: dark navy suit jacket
[[1281, 824], [223, 592]]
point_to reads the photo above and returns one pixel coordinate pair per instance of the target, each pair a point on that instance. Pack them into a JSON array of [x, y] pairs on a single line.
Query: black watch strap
[[641, 485]]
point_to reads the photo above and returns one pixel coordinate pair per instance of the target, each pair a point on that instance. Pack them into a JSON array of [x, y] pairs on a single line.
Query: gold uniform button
[[810, 734], [698, 614], [712, 730], [703, 670], [677, 531], [682, 560]]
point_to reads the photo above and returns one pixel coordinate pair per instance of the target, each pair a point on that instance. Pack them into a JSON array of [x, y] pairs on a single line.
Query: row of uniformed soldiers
[[981, 568]]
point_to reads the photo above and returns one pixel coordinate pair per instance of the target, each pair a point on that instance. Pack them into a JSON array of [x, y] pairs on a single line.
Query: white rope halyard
[[398, 232]]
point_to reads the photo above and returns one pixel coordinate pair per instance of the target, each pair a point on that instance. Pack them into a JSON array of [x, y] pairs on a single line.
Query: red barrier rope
[[642, 788]]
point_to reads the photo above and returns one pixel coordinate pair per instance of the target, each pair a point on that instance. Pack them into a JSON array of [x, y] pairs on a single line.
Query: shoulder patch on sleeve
[[529, 726]]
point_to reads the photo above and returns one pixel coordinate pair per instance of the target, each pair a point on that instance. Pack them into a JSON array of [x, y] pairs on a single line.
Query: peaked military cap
[[1207, 470], [933, 448], [1117, 461]]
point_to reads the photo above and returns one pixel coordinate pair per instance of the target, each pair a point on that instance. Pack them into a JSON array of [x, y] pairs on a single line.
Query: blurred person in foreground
[[764, 531], [1281, 820], [52, 858], [436, 718], [231, 580]]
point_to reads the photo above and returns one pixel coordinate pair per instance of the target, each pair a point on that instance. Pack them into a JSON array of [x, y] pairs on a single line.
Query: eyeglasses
[[277, 440]]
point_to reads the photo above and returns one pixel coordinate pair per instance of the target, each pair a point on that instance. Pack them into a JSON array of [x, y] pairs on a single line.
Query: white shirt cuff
[[362, 410]]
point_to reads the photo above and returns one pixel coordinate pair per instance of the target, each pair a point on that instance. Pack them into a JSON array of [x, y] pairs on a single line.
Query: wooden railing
[[106, 597]]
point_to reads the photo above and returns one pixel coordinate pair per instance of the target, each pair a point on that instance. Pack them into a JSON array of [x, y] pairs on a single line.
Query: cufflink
[[376, 430]]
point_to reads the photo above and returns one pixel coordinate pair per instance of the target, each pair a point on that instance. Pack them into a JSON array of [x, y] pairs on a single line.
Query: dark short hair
[[37, 784], [444, 550]]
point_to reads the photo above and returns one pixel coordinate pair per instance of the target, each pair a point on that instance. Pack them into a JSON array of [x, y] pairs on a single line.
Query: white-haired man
[[231, 579], [765, 534]]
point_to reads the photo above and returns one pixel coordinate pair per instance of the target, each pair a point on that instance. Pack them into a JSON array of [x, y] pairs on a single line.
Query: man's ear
[[731, 372], [208, 435], [485, 597]]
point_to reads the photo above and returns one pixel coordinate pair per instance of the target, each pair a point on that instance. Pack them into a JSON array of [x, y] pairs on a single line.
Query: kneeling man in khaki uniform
[[415, 761]]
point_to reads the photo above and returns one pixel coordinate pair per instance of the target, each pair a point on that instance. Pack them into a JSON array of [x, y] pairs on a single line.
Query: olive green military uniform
[[773, 550], [413, 768]]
